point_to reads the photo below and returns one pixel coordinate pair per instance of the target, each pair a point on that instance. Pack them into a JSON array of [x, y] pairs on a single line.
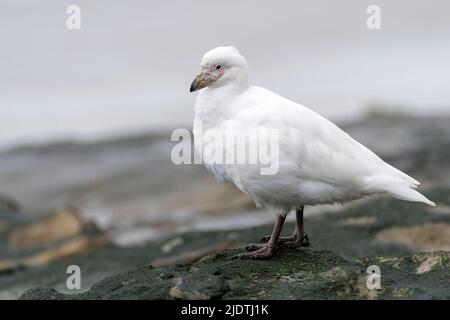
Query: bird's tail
[[408, 194], [399, 185]]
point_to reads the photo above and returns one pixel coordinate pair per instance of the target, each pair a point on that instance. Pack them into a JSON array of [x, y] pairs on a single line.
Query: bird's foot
[[287, 242], [281, 240], [296, 241], [262, 251]]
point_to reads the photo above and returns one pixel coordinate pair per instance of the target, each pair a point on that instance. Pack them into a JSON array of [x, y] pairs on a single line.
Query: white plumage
[[318, 162]]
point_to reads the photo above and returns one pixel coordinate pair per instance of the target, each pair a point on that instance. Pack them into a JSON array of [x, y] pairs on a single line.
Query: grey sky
[[130, 66]]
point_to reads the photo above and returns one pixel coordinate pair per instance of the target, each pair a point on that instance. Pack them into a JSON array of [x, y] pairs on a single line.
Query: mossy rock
[[305, 273]]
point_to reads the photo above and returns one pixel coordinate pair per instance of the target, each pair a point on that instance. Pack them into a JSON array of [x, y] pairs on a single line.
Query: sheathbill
[[317, 162]]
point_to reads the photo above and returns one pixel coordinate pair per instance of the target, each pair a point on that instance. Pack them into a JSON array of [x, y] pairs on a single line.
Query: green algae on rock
[[305, 273]]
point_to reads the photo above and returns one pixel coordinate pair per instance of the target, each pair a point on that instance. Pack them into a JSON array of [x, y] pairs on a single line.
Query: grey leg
[[298, 238], [266, 250]]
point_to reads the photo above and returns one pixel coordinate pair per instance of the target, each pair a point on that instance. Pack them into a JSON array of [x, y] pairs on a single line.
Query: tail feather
[[413, 182], [408, 194], [398, 184]]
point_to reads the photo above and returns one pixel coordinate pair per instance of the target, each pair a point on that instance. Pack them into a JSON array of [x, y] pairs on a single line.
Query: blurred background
[[86, 115]]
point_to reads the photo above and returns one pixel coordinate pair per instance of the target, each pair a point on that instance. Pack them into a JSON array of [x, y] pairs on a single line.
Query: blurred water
[[130, 66]]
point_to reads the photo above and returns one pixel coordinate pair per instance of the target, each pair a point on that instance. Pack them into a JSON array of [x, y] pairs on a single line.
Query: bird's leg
[[266, 250], [298, 238]]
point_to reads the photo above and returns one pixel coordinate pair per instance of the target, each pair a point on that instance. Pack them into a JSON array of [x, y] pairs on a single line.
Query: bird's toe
[[254, 246], [295, 242], [265, 252]]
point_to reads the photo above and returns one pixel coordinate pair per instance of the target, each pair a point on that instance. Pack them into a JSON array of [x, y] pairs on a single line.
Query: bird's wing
[[321, 151]]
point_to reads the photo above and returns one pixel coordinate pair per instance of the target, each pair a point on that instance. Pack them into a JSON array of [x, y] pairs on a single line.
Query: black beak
[[194, 86]]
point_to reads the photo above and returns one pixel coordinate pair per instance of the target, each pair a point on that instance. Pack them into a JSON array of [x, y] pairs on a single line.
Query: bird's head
[[219, 67]]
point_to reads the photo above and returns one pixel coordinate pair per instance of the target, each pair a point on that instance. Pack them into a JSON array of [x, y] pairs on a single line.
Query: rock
[[60, 225], [50, 294], [191, 256], [44, 240], [214, 286], [425, 237], [344, 244], [69, 248], [305, 273], [429, 262]]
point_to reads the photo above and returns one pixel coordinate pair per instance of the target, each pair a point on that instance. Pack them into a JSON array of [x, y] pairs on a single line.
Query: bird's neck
[[236, 86], [215, 104]]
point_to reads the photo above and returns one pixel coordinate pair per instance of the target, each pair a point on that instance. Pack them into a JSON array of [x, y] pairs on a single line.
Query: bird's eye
[[218, 67]]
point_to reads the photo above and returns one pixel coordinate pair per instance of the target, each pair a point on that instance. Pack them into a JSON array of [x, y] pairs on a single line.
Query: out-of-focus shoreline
[[129, 187], [54, 142]]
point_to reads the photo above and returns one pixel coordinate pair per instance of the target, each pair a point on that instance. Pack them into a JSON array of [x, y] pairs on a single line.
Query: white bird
[[318, 163]]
